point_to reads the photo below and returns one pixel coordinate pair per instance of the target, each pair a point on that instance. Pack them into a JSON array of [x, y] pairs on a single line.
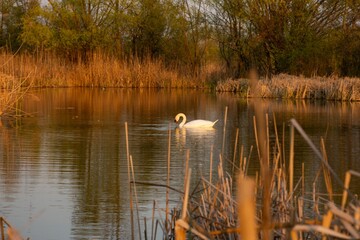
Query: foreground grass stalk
[[346, 187], [224, 130], [129, 179], [327, 175], [211, 163], [136, 198], [168, 179], [11, 232], [316, 151], [235, 151], [265, 208], [246, 209], [181, 226], [262, 207], [153, 221], [291, 161]]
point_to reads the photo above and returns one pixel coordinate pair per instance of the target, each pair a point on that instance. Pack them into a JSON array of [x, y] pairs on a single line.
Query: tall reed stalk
[[129, 181], [267, 211], [168, 179], [264, 206], [101, 70]]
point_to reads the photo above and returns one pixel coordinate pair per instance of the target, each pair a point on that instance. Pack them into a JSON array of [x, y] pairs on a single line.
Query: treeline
[[309, 37]]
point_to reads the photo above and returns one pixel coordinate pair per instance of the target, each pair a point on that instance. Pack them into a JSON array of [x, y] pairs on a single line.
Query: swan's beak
[[175, 120]]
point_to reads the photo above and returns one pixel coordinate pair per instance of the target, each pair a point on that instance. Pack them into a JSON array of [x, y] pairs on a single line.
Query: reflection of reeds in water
[[215, 213], [270, 205]]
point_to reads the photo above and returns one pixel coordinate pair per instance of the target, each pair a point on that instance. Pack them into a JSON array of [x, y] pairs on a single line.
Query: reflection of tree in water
[[76, 141], [10, 153], [100, 183]]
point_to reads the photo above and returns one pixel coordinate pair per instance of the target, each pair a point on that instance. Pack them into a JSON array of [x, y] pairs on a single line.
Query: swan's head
[[178, 116], [177, 119]]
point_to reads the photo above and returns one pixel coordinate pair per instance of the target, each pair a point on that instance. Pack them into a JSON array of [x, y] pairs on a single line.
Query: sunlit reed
[[99, 71], [106, 71], [224, 210], [216, 214], [296, 87]]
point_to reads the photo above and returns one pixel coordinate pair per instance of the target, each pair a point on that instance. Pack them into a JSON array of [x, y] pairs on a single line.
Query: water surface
[[64, 174]]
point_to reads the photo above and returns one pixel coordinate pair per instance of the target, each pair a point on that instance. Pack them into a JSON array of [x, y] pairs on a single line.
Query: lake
[[64, 172]]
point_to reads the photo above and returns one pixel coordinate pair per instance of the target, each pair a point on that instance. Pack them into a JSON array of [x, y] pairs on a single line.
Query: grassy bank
[[103, 71], [295, 87], [20, 72]]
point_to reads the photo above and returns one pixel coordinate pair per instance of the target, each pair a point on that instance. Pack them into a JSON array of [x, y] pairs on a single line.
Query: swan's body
[[195, 123]]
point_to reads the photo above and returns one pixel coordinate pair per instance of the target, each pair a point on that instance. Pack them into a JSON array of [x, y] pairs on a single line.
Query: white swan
[[193, 124]]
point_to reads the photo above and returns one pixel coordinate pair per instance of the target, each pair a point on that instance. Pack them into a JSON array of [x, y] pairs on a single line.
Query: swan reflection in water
[[195, 136]]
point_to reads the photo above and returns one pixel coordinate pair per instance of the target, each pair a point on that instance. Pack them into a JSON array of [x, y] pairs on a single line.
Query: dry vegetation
[[20, 72], [102, 71], [12, 92], [11, 232], [271, 205], [294, 87], [220, 209], [287, 211]]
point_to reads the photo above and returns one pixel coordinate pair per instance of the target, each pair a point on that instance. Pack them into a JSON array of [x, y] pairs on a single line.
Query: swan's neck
[[183, 121]]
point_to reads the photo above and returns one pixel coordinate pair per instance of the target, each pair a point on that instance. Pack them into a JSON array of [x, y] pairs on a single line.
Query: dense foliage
[[310, 37]]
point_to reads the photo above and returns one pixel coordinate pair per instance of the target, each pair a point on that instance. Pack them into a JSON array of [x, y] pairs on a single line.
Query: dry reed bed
[[47, 70], [280, 210], [294, 87], [20, 72], [12, 92], [11, 232], [99, 71], [269, 205]]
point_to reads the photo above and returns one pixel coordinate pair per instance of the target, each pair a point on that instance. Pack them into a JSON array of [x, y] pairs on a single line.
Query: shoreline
[[24, 71]]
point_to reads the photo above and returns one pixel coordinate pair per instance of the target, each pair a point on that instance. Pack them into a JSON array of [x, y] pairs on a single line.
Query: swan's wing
[[200, 124]]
